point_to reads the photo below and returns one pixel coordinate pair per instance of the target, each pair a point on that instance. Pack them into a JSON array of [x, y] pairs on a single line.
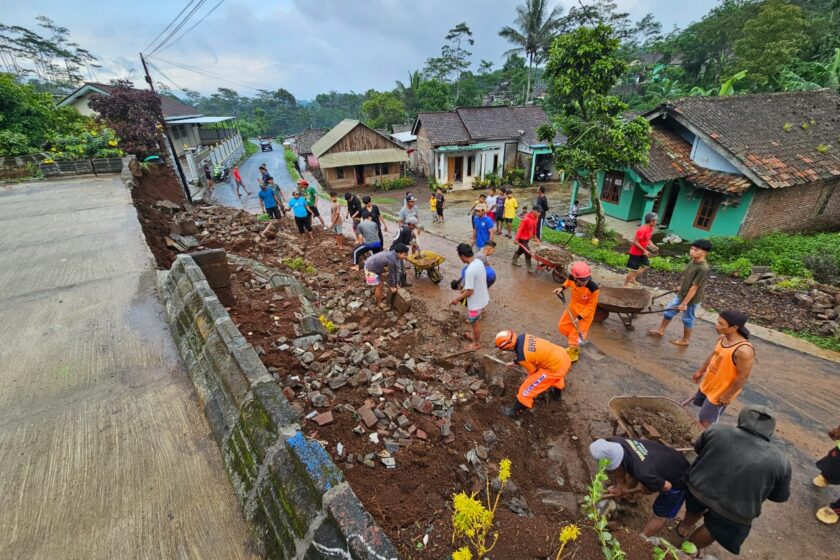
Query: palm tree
[[533, 29]]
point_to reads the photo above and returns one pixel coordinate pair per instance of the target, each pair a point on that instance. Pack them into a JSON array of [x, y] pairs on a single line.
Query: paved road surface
[[104, 452]]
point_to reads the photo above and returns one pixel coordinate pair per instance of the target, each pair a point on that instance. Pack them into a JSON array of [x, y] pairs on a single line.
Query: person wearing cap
[[354, 209], [639, 259], [649, 466], [830, 474], [736, 470], [302, 213], [482, 228], [474, 292], [409, 210], [580, 312], [511, 205], [480, 203], [310, 195], [526, 232], [375, 266], [690, 294], [545, 363], [367, 239], [726, 370]]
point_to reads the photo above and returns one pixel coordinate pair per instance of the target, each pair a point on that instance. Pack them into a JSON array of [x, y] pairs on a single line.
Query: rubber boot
[[556, 394], [515, 260], [514, 411], [574, 353], [528, 263]]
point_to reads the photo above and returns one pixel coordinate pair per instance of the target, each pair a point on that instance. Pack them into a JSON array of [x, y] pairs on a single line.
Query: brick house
[[353, 155], [456, 147], [743, 165]]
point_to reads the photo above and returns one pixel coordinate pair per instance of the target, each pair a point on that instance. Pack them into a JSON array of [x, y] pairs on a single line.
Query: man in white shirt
[[475, 293]]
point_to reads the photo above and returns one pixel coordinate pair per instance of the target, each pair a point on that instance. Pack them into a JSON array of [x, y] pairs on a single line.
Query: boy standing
[[482, 228], [639, 261], [500, 212], [691, 293], [433, 205], [510, 211], [439, 202], [335, 220]]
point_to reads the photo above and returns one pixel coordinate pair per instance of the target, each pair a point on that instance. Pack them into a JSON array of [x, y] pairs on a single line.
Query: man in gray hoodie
[[736, 470]]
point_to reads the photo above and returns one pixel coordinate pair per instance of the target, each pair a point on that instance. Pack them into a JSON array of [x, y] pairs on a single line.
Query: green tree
[[382, 110], [454, 58], [583, 67], [770, 42], [408, 92], [533, 29], [433, 95]]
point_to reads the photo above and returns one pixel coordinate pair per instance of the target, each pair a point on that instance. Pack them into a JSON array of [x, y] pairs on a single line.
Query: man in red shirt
[[526, 232], [238, 180], [638, 260]]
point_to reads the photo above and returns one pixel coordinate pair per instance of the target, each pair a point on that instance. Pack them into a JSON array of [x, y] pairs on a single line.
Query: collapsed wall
[[293, 496]]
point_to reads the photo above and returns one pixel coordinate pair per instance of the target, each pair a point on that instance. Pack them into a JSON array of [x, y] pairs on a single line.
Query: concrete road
[[225, 193], [104, 452]]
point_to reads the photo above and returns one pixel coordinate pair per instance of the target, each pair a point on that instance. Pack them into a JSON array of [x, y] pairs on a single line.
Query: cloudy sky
[[305, 46]]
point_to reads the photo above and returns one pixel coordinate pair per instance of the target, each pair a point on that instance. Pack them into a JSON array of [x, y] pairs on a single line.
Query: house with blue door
[[743, 165]]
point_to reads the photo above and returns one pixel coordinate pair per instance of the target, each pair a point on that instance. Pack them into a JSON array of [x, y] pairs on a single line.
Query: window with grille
[[708, 208], [611, 188]]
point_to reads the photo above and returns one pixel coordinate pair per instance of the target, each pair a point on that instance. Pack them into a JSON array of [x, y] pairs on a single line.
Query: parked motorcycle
[[557, 222], [220, 173], [543, 175]]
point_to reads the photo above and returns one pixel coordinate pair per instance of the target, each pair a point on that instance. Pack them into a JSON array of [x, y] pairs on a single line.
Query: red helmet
[[505, 340], [580, 269]]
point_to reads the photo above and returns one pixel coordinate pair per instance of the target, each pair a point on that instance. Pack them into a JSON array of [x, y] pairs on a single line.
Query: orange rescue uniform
[[582, 303], [547, 365], [721, 371]]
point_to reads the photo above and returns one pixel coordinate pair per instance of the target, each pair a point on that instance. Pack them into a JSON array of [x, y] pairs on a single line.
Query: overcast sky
[[305, 46]]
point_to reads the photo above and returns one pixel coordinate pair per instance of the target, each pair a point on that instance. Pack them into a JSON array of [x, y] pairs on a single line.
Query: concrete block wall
[[293, 496]]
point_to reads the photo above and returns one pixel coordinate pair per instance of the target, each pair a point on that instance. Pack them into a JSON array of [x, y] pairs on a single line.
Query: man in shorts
[[511, 204], [639, 260], [690, 295], [375, 266], [336, 225], [736, 470], [310, 195], [474, 292], [649, 466]]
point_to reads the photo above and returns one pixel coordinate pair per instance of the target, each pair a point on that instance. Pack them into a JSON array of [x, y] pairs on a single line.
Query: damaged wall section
[[294, 497]]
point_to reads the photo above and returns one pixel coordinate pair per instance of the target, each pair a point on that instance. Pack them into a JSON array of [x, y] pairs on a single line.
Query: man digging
[[375, 266], [475, 293], [690, 295]]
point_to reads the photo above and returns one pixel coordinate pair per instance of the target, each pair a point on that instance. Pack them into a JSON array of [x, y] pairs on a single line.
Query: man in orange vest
[[574, 324], [547, 365], [725, 371]]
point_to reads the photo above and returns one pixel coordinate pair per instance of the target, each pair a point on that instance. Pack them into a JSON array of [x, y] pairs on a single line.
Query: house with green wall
[[739, 165]]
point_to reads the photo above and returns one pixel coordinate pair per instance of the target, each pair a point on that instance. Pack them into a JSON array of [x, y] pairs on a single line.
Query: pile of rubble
[[824, 304]]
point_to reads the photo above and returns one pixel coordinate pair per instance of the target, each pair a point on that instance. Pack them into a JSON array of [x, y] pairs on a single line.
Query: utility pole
[[172, 152]]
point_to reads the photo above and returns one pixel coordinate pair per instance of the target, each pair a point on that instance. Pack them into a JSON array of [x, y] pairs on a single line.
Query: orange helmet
[[505, 340], [580, 269]]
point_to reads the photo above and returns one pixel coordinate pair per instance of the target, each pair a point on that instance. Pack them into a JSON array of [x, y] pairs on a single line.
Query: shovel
[[585, 345]]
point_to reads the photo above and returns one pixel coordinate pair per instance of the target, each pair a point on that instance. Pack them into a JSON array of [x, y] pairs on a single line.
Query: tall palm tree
[[532, 31]]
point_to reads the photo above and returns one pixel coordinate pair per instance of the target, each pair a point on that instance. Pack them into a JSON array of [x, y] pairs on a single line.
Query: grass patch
[[291, 158], [824, 342], [250, 149]]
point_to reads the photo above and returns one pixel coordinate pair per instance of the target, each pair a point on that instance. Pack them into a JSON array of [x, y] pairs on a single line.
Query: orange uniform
[[582, 304], [721, 372], [547, 365]]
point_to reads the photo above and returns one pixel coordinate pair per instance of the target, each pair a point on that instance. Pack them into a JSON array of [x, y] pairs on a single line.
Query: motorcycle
[[220, 173], [557, 222], [543, 175]]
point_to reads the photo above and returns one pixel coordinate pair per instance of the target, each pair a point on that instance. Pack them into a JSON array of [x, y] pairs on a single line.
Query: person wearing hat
[[577, 318], [310, 195], [726, 370], [409, 210], [830, 474], [546, 364], [649, 466], [736, 470], [302, 213], [690, 294]]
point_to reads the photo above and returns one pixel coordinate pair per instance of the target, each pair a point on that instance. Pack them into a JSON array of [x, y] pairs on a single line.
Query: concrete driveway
[[104, 452]]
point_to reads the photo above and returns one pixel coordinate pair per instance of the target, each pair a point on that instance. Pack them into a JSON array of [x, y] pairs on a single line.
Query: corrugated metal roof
[[363, 157], [329, 139], [198, 120]]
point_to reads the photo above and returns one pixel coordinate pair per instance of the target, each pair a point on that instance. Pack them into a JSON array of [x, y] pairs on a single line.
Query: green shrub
[[796, 284], [825, 268], [515, 177], [788, 266], [395, 184], [740, 267]]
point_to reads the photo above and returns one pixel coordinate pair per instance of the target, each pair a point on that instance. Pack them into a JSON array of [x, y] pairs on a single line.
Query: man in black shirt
[[542, 202], [650, 466], [354, 209], [372, 210]]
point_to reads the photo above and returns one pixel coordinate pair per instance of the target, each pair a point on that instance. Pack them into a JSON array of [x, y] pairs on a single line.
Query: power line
[[191, 28], [152, 42], [178, 27], [208, 74], [168, 79]]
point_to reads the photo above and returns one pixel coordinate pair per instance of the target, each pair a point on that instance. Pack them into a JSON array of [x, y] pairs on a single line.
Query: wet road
[[802, 389], [104, 451]]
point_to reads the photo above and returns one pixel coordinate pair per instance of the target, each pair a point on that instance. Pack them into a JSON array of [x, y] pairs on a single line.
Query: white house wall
[[703, 155]]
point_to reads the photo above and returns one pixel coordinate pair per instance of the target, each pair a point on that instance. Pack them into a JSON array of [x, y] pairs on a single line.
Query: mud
[[666, 428]]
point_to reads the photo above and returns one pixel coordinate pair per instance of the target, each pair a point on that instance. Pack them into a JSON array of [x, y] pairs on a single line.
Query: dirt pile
[[658, 426]]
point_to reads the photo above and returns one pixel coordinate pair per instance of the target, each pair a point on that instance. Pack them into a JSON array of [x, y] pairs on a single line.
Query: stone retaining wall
[[295, 499]]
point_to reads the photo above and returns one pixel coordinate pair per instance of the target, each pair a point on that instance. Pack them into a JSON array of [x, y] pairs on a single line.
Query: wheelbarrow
[[550, 259], [428, 262], [627, 303], [656, 418]]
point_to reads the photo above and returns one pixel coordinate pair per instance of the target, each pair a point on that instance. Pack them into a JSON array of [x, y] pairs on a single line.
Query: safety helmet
[[505, 340], [580, 269]]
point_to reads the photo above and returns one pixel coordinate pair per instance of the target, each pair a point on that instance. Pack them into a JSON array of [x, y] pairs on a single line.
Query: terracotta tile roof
[[752, 128], [172, 108], [475, 124], [721, 182], [670, 157], [305, 139]]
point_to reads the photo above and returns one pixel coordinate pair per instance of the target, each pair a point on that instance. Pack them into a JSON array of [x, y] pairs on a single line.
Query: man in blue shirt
[[482, 228], [268, 201], [302, 213]]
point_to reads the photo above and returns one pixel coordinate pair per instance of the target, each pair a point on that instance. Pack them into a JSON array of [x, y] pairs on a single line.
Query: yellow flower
[[569, 533], [462, 553], [504, 470], [470, 516], [112, 142]]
